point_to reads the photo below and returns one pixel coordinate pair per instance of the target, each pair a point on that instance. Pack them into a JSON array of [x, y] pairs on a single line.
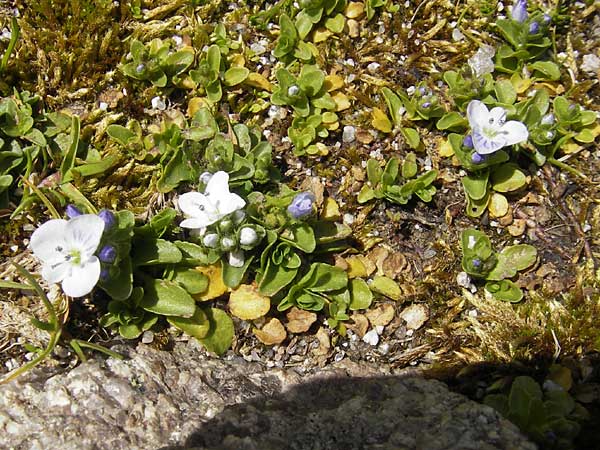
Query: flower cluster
[[217, 218]]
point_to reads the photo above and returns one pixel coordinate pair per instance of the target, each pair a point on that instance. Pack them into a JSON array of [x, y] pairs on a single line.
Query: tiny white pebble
[[103, 106], [371, 338]]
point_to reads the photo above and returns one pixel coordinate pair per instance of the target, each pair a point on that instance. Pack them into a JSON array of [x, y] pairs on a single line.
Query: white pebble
[[349, 134], [371, 338]]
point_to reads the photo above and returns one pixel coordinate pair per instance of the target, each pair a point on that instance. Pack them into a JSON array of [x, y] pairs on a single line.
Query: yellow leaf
[[246, 303], [333, 82], [519, 84], [195, 104], [341, 100], [272, 333], [216, 287], [321, 35], [238, 60], [570, 147], [359, 266], [498, 205], [258, 81], [446, 149], [380, 121], [354, 10], [331, 210]]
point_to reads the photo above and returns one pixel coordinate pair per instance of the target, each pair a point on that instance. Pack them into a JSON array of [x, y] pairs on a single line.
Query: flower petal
[[218, 185], [514, 132], [497, 117], [484, 145], [47, 238], [229, 204], [82, 279], [194, 204], [197, 223], [477, 114], [54, 273], [84, 233]]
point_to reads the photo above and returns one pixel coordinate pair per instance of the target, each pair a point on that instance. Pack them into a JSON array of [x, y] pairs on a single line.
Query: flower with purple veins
[[491, 131], [301, 205]]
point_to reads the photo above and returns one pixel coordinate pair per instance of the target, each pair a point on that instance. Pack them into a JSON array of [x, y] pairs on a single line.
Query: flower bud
[[548, 119], [226, 225], [104, 274], [238, 216], [476, 158], [236, 259], [205, 177], [301, 205], [140, 68], [248, 236], [293, 90], [72, 211], [550, 135], [426, 105], [547, 18], [107, 254], [227, 244], [468, 141], [108, 217], [211, 240], [476, 263], [519, 11], [534, 28], [422, 90]]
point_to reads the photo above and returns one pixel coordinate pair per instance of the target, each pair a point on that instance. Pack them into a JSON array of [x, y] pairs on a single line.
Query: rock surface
[[184, 399]]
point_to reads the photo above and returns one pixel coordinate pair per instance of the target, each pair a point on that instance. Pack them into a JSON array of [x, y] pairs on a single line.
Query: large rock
[[184, 399]]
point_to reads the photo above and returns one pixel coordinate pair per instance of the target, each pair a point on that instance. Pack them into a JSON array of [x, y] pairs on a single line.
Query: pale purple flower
[[301, 205], [67, 250], [519, 11], [491, 131], [468, 141], [476, 158]]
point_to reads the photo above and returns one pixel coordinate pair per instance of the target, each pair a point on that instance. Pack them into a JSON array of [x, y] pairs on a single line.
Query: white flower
[[236, 258], [248, 236], [215, 203], [66, 249], [491, 132], [211, 240]]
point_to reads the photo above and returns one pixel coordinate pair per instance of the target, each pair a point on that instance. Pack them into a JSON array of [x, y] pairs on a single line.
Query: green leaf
[[4, 284], [121, 134], [394, 104], [148, 252], [178, 169], [323, 277], [119, 287], [386, 286], [412, 137], [476, 184], [167, 298], [235, 75], [233, 276], [452, 121], [525, 400], [221, 331], [178, 62], [390, 172], [505, 92], [476, 208], [507, 178], [69, 158], [196, 326], [335, 24], [311, 80], [365, 194], [546, 70], [302, 237], [192, 281], [520, 256], [374, 171], [360, 294], [409, 166], [504, 290]]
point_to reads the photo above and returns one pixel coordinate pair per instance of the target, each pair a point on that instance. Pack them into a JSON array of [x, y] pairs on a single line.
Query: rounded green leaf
[[196, 326], [221, 331], [167, 298], [360, 294], [476, 185], [235, 75], [386, 286], [508, 178]]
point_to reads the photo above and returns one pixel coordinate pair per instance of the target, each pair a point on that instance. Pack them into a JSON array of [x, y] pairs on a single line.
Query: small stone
[[158, 103], [258, 48], [481, 62], [457, 36], [463, 280], [349, 134], [371, 338], [590, 64], [373, 67], [147, 337], [415, 316]]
